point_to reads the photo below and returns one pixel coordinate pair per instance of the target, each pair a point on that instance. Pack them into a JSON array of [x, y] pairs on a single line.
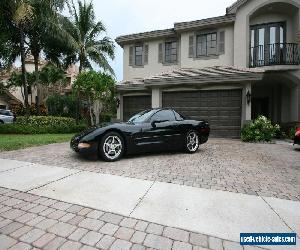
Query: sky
[[122, 17]]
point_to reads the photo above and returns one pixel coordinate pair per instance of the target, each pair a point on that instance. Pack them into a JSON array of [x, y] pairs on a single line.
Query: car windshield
[[142, 116], [6, 112]]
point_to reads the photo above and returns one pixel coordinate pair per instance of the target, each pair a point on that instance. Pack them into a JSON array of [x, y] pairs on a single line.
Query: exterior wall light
[[248, 97], [118, 102]]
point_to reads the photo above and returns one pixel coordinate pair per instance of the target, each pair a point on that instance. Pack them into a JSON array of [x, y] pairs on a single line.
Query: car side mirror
[[153, 123]]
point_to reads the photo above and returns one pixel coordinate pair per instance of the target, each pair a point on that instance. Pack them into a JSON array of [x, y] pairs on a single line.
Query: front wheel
[[111, 147], [192, 142]]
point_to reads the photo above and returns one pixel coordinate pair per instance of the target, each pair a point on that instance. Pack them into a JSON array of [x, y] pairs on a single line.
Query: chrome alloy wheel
[[192, 141], [112, 147]]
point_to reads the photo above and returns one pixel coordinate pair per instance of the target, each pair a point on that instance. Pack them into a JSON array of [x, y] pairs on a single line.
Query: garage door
[[135, 104], [221, 108]]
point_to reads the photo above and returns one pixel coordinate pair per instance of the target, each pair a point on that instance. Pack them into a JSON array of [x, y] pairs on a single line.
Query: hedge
[[46, 120], [42, 125]]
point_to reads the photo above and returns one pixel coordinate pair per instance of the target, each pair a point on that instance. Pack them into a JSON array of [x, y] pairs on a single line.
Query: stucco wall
[[152, 68], [222, 60], [243, 20]]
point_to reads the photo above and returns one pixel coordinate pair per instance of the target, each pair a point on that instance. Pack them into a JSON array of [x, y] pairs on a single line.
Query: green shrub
[[42, 125], [35, 129], [46, 120], [289, 129], [260, 129], [61, 105]]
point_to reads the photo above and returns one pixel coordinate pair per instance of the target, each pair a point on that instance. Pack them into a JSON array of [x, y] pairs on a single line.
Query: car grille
[[74, 143]]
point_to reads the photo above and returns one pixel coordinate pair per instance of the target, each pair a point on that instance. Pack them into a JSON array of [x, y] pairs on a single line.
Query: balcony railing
[[275, 54]]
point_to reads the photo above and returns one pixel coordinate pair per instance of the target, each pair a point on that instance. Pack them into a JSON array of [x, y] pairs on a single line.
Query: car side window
[[163, 115], [178, 116]]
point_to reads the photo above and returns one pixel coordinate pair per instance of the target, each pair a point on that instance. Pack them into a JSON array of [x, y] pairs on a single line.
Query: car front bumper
[[297, 140], [92, 149]]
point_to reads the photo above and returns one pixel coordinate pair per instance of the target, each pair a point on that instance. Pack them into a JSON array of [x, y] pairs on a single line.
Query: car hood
[[101, 126]]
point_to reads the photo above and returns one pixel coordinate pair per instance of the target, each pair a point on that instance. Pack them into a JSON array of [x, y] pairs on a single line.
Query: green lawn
[[13, 142]]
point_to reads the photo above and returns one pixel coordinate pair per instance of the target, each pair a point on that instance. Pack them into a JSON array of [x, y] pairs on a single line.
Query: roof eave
[[234, 7], [151, 35], [205, 23], [129, 87]]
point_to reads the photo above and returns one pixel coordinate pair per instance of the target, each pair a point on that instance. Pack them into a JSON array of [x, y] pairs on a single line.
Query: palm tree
[[16, 15], [44, 25], [9, 50], [87, 45]]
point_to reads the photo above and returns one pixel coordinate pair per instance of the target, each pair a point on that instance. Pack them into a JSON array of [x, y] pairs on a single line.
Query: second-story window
[[206, 45], [138, 55], [171, 52]]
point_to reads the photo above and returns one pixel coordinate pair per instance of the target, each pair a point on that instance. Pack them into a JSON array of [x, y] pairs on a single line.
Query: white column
[[120, 108], [298, 34], [294, 103], [156, 98]]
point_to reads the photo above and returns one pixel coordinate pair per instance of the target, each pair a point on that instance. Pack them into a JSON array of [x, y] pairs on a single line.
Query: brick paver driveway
[[229, 165]]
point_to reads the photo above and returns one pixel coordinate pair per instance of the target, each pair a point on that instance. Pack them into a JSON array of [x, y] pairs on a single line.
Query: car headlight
[[82, 145]]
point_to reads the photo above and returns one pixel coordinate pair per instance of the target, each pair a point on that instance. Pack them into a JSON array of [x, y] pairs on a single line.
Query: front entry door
[[260, 106]]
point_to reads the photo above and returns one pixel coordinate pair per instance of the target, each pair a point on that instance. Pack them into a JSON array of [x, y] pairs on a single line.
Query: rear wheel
[[111, 147], [192, 142], [1, 122]]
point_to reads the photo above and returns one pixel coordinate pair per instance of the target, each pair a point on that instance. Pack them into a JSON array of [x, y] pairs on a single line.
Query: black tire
[[1, 122], [118, 141], [192, 149]]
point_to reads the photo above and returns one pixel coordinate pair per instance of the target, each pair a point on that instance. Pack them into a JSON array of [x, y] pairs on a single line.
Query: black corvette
[[150, 130]]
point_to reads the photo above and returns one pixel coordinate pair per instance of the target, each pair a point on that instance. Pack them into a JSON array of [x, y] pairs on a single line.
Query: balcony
[[275, 54]]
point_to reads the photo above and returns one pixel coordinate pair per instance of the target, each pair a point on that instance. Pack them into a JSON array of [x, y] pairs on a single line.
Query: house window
[[171, 52], [207, 44], [138, 55]]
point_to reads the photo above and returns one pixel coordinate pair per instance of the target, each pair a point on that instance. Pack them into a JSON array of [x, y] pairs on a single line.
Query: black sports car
[[150, 130]]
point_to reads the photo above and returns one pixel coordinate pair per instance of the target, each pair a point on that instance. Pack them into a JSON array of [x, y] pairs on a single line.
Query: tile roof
[[203, 75]]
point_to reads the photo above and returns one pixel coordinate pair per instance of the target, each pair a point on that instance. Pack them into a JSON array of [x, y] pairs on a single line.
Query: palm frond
[[100, 59]]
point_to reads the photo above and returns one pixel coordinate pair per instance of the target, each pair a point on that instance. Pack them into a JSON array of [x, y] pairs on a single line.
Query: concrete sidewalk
[[216, 213]]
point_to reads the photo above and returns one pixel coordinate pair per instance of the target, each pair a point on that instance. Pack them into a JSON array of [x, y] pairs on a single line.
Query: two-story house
[[227, 69], [14, 96]]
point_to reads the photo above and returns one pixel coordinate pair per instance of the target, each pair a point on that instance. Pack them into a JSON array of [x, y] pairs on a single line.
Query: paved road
[[269, 170], [57, 206]]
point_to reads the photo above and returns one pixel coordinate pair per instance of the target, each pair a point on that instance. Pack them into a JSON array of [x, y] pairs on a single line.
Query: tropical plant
[[261, 129], [87, 45], [8, 49], [29, 24], [16, 15], [52, 76], [44, 25], [15, 81], [98, 90], [61, 105]]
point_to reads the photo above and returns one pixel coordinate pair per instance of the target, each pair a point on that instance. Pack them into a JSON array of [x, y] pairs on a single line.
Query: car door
[[159, 131], [8, 117]]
